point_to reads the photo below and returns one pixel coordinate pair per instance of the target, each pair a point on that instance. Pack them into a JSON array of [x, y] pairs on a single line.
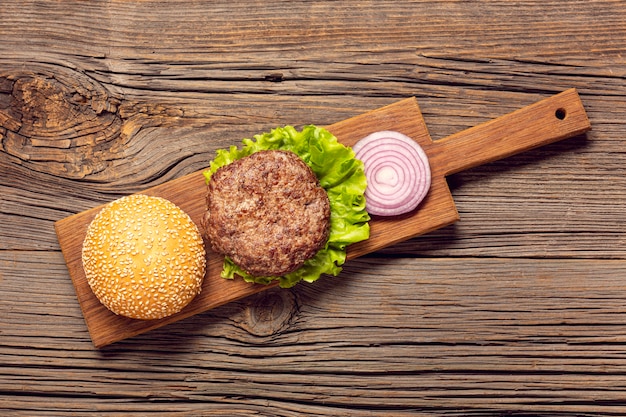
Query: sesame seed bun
[[143, 257]]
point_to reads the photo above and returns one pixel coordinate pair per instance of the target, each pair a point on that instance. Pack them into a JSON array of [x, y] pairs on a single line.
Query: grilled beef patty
[[267, 212]]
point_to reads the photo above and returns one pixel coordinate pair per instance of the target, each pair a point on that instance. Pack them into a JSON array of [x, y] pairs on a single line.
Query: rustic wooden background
[[518, 309]]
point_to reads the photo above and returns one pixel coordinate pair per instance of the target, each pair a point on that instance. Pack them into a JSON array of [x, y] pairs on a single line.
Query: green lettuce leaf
[[338, 172]]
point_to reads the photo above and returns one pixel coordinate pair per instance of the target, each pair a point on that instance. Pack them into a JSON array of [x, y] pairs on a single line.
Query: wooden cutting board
[[552, 119]]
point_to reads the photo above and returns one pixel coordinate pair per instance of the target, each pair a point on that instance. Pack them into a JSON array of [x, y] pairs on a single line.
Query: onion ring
[[397, 172]]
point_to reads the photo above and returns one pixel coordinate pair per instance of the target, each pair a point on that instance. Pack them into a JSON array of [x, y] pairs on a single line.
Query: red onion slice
[[397, 172]]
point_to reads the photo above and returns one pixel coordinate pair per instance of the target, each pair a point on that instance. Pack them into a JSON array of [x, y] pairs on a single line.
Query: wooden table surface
[[518, 309]]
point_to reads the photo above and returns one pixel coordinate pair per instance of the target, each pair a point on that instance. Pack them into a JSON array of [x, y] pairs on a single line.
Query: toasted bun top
[[144, 257]]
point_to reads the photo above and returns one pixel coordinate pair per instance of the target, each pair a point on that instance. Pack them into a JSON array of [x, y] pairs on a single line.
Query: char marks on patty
[[267, 212]]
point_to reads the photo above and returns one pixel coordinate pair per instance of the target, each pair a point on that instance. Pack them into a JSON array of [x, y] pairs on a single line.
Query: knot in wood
[[57, 121], [270, 313]]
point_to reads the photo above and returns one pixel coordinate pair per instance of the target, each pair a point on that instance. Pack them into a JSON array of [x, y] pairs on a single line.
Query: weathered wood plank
[[517, 309], [498, 333]]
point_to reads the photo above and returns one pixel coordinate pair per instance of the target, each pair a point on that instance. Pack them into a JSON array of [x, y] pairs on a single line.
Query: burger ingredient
[[338, 171], [143, 257], [267, 213], [397, 171]]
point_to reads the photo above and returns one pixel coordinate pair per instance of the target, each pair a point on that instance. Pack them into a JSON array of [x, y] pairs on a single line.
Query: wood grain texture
[[517, 309]]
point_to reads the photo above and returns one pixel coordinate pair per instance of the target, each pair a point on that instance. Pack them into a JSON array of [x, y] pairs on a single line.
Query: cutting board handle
[[549, 120]]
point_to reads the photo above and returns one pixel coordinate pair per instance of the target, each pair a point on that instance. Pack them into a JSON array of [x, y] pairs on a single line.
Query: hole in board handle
[[560, 113]]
